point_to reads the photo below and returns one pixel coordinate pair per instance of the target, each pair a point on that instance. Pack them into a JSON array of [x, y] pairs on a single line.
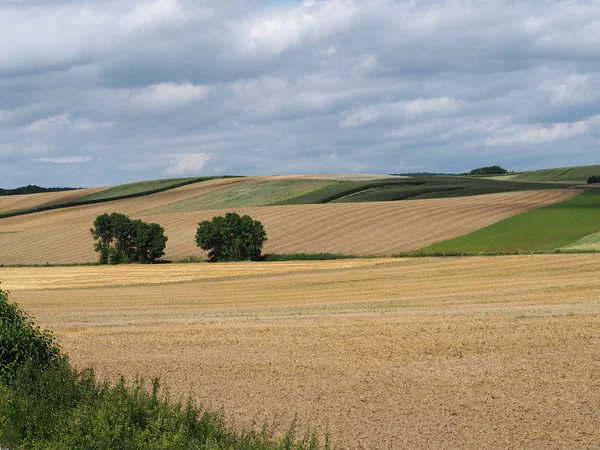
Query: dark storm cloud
[[102, 92]]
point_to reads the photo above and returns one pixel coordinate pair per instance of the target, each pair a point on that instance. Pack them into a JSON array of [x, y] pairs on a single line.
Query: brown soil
[[496, 352]]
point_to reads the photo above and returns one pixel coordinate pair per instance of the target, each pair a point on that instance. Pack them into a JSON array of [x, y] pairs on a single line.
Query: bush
[[47, 404], [492, 170], [593, 180], [22, 341], [122, 240], [231, 238]]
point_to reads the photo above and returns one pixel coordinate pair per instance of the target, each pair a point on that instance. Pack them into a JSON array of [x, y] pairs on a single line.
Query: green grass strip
[[550, 227], [564, 174]]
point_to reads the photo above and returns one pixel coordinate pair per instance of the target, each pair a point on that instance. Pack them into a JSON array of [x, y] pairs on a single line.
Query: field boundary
[[110, 199]]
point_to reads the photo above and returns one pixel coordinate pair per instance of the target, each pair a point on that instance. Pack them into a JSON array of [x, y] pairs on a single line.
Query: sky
[[97, 93]]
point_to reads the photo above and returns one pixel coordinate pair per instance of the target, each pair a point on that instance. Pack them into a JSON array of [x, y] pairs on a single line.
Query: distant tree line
[[491, 170], [594, 179], [34, 189]]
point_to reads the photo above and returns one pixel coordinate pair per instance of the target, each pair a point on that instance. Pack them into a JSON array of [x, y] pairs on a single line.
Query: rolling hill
[[567, 175], [365, 228]]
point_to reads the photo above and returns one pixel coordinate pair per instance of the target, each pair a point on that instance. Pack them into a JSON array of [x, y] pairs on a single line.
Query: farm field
[[568, 175], [26, 201], [478, 352], [560, 225], [375, 228]]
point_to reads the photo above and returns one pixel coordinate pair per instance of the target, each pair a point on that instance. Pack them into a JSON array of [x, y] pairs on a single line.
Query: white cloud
[[66, 159], [152, 14], [164, 95], [188, 164], [65, 121], [321, 85], [48, 123], [401, 110], [541, 134]]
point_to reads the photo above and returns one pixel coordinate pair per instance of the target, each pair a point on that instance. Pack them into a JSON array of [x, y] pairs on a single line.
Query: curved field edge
[[575, 174], [28, 201], [546, 228], [306, 190], [123, 192], [379, 228], [591, 242]]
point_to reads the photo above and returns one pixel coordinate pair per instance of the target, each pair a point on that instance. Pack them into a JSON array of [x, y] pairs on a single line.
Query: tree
[[122, 240], [149, 241], [593, 180], [492, 170], [231, 238]]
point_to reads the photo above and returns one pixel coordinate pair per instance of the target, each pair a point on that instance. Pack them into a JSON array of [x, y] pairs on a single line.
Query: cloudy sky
[[96, 93]]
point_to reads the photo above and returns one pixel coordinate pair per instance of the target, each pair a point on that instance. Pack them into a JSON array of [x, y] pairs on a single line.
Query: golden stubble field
[[479, 352], [379, 228]]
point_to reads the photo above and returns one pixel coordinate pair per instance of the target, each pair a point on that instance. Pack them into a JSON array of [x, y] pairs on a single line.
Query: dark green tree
[[231, 238], [149, 241], [492, 170], [122, 240], [102, 233], [594, 179]]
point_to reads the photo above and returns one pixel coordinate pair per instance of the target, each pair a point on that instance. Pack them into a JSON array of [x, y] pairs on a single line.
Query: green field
[[572, 175], [141, 187], [318, 191], [551, 227], [130, 190], [260, 193], [590, 242]]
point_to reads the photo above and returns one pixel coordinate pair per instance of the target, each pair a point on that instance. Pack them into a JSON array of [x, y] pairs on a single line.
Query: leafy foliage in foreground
[[47, 404], [231, 238], [21, 340]]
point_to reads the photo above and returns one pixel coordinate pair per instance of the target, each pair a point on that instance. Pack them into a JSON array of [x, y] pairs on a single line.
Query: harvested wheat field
[[480, 352], [378, 228], [26, 201]]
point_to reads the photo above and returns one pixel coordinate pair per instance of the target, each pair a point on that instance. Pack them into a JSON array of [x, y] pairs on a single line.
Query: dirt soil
[[480, 352]]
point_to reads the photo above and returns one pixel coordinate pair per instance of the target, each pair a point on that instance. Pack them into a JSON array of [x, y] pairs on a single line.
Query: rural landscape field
[[454, 312]]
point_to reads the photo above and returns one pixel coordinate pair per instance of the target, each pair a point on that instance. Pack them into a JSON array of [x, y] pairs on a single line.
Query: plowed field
[[496, 352], [384, 228]]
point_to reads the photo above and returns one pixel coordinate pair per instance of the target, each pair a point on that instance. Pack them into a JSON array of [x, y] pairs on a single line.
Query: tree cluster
[[122, 240], [593, 180], [231, 238], [492, 170]]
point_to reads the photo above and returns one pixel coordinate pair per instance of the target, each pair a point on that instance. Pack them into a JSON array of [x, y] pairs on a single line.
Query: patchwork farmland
[[381, 352], [61, 236]]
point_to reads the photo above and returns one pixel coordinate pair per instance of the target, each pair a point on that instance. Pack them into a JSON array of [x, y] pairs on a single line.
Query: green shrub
[[22, 341], [47, 404]]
